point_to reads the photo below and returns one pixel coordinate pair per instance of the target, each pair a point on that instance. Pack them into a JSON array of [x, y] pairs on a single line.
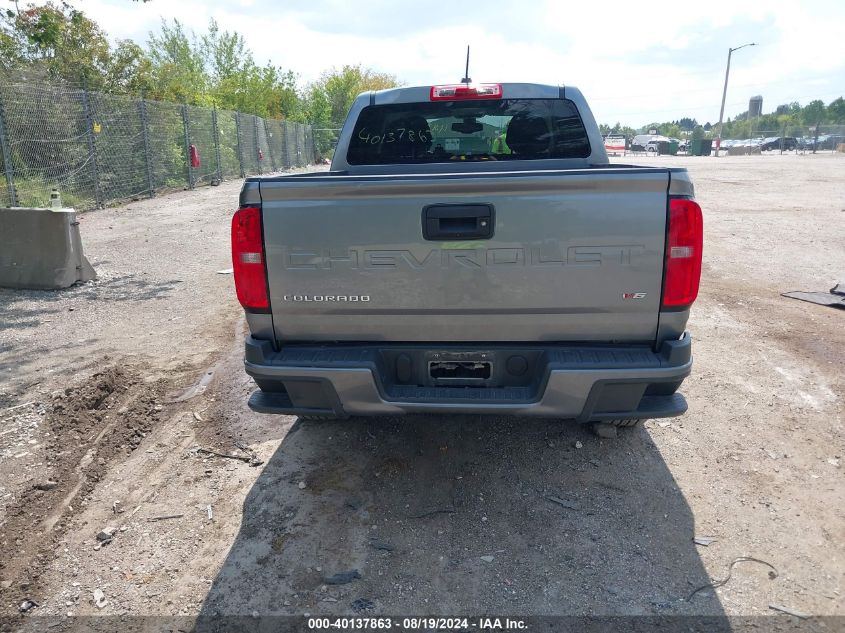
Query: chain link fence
[[100, 148], [325, 140]]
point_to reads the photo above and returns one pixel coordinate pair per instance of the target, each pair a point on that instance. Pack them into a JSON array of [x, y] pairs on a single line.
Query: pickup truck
[[471, 250]]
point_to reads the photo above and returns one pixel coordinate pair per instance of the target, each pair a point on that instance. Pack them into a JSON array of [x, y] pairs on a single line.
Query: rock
[[486, 559], [46, 485], [99, 598], [579, 445], [27, 605], [343, 578], [302, 485], [106, 534]]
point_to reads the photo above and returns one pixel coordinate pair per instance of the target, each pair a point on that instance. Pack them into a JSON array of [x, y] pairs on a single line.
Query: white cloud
[[636, 63]]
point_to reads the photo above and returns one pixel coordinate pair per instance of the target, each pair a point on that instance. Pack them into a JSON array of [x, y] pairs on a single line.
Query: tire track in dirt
[[88, 427]]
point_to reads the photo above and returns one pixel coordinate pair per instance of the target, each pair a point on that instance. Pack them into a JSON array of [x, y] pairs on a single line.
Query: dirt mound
[[86, 427]]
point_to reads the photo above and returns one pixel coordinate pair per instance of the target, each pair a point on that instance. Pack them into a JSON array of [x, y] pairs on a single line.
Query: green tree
[[178, 65], [58, 39], [340, 87], [216, 68], [836, 110], [226, 54], [129, 71], [688, 124], [814, 113]]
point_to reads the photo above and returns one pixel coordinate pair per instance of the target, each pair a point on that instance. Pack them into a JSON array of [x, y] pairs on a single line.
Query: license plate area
[[462, 370], [471, 368]]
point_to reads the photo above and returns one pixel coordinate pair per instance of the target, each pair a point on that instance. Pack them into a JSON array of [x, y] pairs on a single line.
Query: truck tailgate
[[575, 255]]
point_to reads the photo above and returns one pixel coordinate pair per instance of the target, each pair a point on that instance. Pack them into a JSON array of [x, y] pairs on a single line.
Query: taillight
[[458, 92], [683, 253], [248, 259]]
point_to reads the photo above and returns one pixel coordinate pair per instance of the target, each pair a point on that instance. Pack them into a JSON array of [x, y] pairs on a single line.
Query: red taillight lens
[[457, 92], [683, 253], [248, 259]]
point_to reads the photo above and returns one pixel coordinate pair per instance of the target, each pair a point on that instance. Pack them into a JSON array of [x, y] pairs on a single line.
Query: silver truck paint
[[575, 259]]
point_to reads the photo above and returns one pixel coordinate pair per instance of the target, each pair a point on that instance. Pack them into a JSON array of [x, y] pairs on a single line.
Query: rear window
[[482, 130]]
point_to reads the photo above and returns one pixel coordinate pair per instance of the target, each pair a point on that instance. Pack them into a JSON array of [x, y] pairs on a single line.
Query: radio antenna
[[466, 79]]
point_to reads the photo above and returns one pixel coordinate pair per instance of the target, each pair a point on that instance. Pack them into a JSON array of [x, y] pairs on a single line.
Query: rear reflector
[[248, 259], [457, 92], [683, 253]]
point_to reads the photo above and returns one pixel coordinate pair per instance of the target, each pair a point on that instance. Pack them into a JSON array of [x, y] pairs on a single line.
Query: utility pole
[[725, 94]]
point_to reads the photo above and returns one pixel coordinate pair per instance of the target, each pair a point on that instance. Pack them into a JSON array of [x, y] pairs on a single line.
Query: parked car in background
[[747, 143], [823, 142], [640, 141], [777, 143], [649, 143], [831, 141]]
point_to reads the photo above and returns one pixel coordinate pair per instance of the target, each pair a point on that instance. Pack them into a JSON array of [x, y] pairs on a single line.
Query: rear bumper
[[584, 383]]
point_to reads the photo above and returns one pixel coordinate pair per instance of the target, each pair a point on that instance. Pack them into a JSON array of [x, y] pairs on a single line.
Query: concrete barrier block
[[41, 249]]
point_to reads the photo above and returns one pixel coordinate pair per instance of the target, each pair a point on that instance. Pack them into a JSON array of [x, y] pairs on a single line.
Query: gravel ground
[[112, 389]]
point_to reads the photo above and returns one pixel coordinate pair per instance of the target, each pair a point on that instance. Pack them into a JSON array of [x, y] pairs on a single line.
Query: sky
[[635, 62]]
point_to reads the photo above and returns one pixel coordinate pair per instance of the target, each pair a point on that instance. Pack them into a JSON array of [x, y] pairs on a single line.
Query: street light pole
[[725, 94]]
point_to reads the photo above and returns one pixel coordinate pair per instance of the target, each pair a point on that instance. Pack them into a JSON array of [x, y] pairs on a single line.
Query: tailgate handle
[[458, 222]]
